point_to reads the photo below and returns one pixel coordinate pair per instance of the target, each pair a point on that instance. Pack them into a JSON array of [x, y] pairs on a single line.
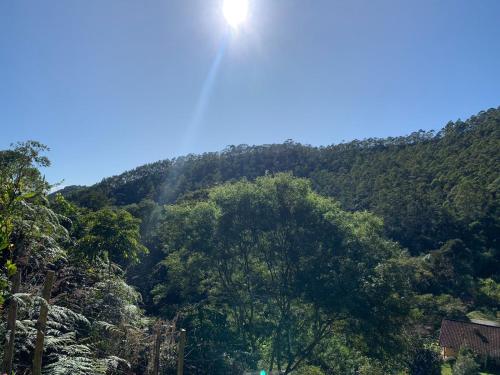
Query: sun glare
[[235, 12]]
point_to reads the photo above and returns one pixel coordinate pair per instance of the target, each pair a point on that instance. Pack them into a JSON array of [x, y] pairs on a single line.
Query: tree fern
[[72, 365], [67, 348]]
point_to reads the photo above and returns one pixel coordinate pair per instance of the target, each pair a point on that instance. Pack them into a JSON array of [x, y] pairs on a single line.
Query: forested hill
[[429, 187], [346, 263]]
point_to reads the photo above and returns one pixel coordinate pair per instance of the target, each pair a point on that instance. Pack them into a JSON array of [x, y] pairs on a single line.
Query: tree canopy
[[282, 264]]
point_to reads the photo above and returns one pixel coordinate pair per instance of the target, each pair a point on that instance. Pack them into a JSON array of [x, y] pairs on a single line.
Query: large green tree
[[285, 266], [29, 229], [111, 234]]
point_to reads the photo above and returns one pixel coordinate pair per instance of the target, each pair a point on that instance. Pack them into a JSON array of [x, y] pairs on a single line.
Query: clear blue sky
[[113, 84]]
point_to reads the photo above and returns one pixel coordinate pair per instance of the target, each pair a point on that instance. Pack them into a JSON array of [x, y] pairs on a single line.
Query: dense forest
[[287, 257]]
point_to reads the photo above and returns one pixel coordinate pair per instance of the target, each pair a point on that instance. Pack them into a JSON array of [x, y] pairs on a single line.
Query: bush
[[309, 370], [465, 364], [424, 361]]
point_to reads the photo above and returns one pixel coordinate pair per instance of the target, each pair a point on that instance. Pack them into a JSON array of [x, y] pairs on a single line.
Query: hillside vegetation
[[309, 260], [428, 186]]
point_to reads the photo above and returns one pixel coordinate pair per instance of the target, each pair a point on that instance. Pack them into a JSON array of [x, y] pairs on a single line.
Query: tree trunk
[[182, 345], [42, 322], [11, 326]]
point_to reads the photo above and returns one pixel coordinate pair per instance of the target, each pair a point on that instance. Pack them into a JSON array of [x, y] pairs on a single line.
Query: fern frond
[[114, 363], [107, 327], [63, 314], [68, 365], [58, 343], [22, 299]]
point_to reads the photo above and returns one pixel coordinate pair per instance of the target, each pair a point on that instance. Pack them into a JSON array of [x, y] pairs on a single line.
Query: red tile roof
[[480, 338]]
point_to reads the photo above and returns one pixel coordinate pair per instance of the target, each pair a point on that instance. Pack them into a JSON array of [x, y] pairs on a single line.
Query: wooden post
[[180, 354], [11, 326], [156, 352], [42, 323]]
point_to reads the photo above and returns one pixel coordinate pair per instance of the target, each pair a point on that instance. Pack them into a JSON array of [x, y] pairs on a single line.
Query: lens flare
[[193, 127]]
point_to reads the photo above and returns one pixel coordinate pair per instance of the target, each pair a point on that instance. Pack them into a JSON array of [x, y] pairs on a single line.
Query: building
[[482, 339]]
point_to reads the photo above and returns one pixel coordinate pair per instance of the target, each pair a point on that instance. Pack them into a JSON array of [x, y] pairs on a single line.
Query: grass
[[484, 315], [446, 370]]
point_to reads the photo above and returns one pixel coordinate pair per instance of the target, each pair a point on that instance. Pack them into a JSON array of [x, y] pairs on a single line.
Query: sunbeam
[[204, 97]]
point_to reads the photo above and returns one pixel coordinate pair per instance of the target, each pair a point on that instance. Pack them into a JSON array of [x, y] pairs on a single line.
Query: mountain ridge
[[426, 174]]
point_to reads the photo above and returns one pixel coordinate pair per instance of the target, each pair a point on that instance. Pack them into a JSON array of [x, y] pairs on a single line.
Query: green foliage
[[29, 229], [10, 268], [281, 263], [309, 370], [65, 350], [465, 364], [338, 355], [94, 324], [436, 192], [94, 328], [267, 271], [431, 309], [489, 291], [429, 187], [111, 234], [424, 361], [451, 267]]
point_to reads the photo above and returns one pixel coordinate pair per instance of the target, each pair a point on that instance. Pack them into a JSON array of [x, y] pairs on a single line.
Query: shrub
[[465, 364], [424, 361]]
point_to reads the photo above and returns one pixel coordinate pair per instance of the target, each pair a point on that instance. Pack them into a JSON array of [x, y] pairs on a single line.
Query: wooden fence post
[[11, 326], [180, 354], [156, 352], [42, 323]]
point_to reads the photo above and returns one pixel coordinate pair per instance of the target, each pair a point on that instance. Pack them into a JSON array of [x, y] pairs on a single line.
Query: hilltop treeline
[[429, 187]]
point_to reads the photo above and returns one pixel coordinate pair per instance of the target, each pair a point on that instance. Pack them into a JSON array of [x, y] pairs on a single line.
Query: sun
[[235, 12]]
